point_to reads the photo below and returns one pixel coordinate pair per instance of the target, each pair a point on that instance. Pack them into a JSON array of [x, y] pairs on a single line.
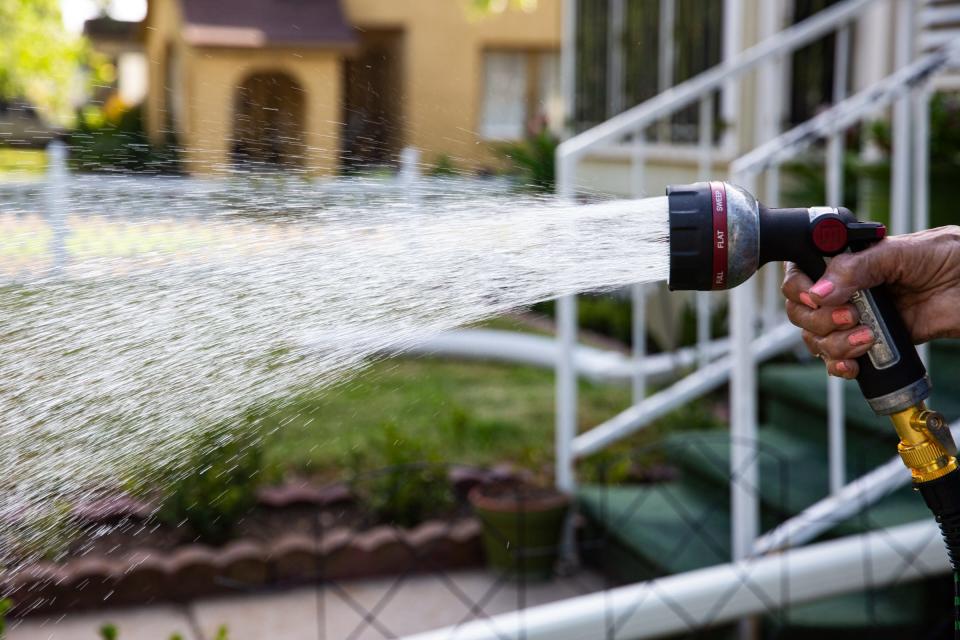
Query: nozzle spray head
[[720, 235], [714, 236]]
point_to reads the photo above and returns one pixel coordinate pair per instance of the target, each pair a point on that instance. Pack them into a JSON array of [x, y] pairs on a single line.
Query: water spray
[[720, 235]]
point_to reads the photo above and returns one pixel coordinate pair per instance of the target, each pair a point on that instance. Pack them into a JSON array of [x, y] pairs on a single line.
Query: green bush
[[215, 485], [109, 632], [444, 167], [119, 142], [413, 486], [534, 159], [5, 605]]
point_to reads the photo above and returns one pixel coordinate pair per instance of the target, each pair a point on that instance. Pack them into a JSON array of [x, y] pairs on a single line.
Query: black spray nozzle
[[720, 235]]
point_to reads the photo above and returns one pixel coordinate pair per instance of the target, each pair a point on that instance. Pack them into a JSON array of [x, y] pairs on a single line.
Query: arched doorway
[[268, 122]]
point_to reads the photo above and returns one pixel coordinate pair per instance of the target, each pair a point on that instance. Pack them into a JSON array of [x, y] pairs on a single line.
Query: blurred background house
[[120, 43], [344, 83]]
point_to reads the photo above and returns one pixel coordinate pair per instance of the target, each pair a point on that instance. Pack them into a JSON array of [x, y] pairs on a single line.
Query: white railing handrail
[[824, 514], [844, 114], [875, 485], [724, 593], [665, 104], [698, 383]]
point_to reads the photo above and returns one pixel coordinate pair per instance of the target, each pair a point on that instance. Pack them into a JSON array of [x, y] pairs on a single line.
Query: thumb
[[850, 272]]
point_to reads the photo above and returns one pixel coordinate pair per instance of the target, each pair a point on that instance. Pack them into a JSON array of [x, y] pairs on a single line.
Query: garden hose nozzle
[[720, 235]]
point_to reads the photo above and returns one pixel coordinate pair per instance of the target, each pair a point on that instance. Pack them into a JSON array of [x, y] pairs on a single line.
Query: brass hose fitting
[[926, 446]]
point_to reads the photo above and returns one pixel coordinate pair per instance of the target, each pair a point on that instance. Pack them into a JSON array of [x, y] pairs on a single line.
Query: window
[[812, 67], [519, 89], [630, 30]]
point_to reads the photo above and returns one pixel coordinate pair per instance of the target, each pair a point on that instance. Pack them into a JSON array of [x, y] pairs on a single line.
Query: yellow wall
[[214, 77], [442, 78], [163, 31], [443, 61]]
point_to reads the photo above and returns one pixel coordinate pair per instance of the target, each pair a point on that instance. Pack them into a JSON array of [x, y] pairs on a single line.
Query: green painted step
[[897, 607], [795, 396], [792, 468], [793, 474], [681, 526], [672, 526]]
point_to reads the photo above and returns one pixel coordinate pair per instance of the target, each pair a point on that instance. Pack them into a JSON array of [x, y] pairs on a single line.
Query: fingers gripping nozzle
[[720, 235]]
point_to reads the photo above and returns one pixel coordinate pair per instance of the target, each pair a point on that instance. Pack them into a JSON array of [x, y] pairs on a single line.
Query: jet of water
[[177, 304]]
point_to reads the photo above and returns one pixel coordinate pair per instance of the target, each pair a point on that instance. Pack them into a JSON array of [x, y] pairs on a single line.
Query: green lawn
[[22, 160], [406, 410], [397, 410]]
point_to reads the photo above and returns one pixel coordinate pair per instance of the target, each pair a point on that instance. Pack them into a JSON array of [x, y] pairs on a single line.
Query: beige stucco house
[[327, 84]]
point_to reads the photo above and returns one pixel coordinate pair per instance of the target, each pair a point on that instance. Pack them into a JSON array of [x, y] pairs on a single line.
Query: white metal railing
[[903, 86], [824, 514], [630, 126], [908, 91], [697, 599]]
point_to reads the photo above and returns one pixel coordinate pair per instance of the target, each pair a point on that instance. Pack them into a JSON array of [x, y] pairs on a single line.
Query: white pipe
[[597, 365], [717, 595], [825, 514], [694, 385]]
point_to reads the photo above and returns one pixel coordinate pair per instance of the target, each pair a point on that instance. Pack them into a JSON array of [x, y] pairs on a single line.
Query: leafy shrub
[[114, 139], [534, 158], [5, 605], [444, 167], [109, 632], [413, 486], [216, 484]]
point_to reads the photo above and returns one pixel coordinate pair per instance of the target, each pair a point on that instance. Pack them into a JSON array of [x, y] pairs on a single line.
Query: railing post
[[566, 400], [733, 19], [568, 63], [745, 516], [900, 167], [704, 169], [921, 175], [638, 295], [615, 59], [56, 204], [667, 53], [836, 424], [772, 300]]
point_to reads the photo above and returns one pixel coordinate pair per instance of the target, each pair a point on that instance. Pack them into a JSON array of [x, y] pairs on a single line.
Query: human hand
[[922, 272]]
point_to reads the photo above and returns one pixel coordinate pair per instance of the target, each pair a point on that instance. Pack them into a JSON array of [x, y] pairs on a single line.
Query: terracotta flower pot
[[522, 528]]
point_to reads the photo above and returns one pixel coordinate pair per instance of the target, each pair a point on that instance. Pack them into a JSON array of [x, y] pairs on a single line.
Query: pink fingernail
[[842, 367], [862, 336], [807, 300], [842, 316], [822, 288]]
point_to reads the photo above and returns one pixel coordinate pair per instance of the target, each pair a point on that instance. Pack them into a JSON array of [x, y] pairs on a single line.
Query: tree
[[39, 59]]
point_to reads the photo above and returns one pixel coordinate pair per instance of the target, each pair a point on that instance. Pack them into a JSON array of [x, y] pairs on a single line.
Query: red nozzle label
[[718, 204]]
